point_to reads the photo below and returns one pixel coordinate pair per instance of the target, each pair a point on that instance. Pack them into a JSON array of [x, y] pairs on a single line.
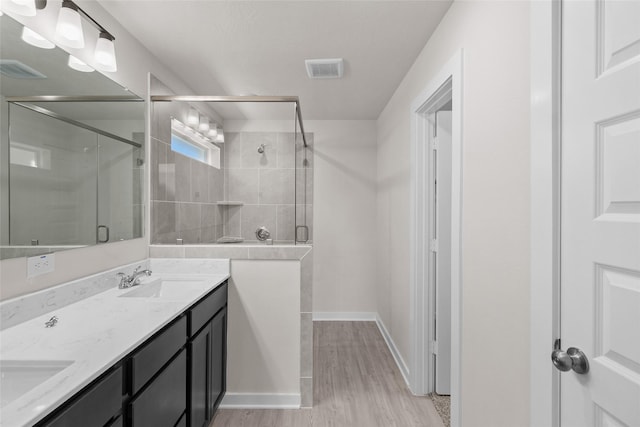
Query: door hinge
[[433, 347], [433, 246], [434, 144]]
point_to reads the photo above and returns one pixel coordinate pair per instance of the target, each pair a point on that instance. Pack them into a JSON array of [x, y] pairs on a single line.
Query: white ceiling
[[259, 47]]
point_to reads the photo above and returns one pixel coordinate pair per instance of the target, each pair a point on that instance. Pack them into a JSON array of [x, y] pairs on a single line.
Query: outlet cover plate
[[41, 264]]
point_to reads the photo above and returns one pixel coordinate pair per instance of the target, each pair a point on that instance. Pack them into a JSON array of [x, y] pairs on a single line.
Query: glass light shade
[[193, 118], [220, 138], [204, 125], [35, 39], [20, 7], [105, 54], [213, 131], [78, 65], [69, 28]]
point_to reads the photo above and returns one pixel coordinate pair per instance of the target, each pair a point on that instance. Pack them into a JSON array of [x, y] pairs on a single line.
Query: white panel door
[[442, 194], [600, 209]]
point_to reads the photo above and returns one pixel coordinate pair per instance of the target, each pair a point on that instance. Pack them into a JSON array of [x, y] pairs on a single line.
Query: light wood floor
[[356, 384]]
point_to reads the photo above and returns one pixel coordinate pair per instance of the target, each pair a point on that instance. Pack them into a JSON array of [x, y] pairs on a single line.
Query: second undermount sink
[[164, 288], [18, 377]]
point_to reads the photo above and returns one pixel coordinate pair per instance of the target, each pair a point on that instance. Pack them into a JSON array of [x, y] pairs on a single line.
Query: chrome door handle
[[573, 358]]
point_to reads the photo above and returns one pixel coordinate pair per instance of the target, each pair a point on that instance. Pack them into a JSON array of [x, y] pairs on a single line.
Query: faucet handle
[[123, 279]]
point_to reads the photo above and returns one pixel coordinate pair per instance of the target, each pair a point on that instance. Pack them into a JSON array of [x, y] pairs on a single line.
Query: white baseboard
[[260, 401], [404, 370], [336, 316]]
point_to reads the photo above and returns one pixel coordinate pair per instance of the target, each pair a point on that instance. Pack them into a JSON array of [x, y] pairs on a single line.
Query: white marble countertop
[[93, 334]]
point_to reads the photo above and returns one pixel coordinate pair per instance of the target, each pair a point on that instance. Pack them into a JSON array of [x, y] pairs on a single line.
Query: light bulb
[[78, 65], [213, 131], [35, 39], [220, 137], [20, 7], [69, 27], [193, 117], [204, 125], [105, 54]]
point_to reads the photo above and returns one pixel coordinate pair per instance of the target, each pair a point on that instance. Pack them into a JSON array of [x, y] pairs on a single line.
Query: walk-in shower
[[252, 185]]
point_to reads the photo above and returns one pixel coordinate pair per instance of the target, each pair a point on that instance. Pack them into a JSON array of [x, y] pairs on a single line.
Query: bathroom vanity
[[149, 355]]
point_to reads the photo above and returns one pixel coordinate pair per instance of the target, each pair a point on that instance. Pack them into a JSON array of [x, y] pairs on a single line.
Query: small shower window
[[188, 149], [190, 144]]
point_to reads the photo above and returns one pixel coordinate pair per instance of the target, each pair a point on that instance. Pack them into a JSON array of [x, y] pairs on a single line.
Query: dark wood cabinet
[[97, 405], [218, 360], [177, 378], [208, 352], [164, 401]]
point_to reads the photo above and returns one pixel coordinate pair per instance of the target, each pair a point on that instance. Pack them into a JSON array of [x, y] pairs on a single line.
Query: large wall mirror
[[71, 152]]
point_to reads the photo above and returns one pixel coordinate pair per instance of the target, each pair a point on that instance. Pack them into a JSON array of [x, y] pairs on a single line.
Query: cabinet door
[[200, 367], [218, 360], [164, 400], [94, 407]]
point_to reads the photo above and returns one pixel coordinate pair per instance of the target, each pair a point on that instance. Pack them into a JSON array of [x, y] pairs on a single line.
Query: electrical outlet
[[41, 264]]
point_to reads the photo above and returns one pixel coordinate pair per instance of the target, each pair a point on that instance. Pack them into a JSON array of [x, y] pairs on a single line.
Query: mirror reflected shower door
[[119, 202], [53, 180]]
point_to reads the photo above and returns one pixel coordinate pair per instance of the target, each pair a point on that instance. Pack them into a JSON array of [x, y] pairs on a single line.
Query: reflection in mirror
[[71, 164]]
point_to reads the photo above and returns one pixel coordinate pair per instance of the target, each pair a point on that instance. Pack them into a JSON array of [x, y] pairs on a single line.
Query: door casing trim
[[421, 312], [545, 119]]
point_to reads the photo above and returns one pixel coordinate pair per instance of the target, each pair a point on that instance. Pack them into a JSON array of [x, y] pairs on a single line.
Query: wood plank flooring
[[356, 384]]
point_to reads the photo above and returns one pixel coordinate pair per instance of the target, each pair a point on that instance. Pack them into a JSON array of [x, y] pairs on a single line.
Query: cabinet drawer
[[165, 401], [205, 309], [95, 407], [148, 361]]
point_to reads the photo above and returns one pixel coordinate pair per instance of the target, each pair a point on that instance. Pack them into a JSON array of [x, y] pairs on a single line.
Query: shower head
[[261, 148]]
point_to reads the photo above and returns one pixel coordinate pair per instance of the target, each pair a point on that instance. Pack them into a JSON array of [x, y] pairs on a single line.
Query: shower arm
[[252, 98]]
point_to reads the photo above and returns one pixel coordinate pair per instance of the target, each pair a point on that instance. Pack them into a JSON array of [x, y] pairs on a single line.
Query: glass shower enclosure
[[230, 169]]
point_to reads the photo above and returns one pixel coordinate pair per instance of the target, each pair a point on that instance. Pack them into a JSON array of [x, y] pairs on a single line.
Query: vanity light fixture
[[78, 65], [20, 7], [204, 125], [193, 118], [35, 39], [105, 54], [69, 27], [220, 137], [213, 131]]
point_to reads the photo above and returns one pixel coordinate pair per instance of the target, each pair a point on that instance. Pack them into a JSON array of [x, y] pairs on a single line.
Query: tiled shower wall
[[186, 195], [184, 192], [266, 183]]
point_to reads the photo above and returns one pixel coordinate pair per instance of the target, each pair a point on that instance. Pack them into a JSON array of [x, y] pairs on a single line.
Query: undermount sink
[[17, 377], [164, 288]]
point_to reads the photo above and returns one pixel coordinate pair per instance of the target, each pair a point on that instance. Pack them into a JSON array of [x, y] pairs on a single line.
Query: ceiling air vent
[[324, 68], [18, 70]]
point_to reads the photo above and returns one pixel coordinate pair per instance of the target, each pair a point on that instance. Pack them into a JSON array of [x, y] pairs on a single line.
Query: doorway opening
[[436, 236]]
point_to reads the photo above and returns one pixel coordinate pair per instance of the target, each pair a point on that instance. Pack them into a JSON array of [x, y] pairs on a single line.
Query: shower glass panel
[[119, 202], [257, 192], [70, 184], [52, 175]]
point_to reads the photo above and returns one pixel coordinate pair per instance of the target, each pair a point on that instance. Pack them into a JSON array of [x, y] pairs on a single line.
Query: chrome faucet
[[133, 279]]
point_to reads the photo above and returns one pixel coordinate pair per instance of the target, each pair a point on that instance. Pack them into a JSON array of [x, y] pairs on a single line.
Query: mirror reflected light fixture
[[69, 27], [78, 65], [20, 7], [35, 39]]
